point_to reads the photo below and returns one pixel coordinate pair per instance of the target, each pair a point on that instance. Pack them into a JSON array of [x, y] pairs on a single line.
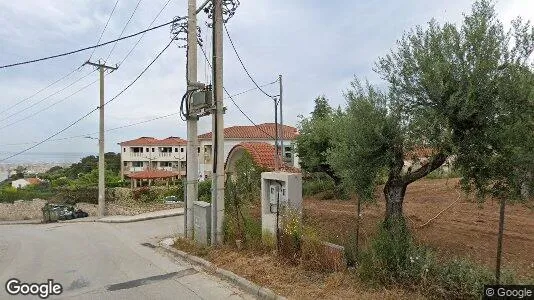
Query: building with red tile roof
[[263, 154], [235, 135], [149, 176], [260, 132], [149, 153]]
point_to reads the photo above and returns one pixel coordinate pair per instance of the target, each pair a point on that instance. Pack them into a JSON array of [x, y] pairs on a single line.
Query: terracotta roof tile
[[262, 131], [150, 141], [33, 181], [152, 174], [263, 155]]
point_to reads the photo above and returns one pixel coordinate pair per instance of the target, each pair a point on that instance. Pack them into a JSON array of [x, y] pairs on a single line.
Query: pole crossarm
[[100, 65]]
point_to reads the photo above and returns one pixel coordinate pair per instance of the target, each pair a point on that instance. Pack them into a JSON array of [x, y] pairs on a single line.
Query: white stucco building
[[151, 154]]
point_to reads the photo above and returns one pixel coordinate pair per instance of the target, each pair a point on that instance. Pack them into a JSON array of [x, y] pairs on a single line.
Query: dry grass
[[294, 282]]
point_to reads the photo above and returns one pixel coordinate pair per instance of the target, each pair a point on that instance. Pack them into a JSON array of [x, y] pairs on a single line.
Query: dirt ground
[[466, 229]]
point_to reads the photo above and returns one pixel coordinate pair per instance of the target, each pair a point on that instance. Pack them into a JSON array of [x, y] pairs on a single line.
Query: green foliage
[[316, 184], [394, 259], [468, 90], [72, 195], [86, 166], [365, 140], [243, 191], [204, 191], [315, 139], [9, 194]]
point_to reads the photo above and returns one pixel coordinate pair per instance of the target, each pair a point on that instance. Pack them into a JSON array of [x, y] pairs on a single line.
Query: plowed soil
[[467, 228]]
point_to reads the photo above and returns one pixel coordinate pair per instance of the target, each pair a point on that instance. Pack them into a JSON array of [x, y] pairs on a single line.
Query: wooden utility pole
[[101, 162], [217, 200], [192, 122]]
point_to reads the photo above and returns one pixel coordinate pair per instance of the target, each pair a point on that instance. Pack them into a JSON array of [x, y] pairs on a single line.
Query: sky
[[317, 46]]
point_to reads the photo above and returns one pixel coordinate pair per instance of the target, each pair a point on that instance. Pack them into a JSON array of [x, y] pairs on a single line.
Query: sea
[[38, 161]]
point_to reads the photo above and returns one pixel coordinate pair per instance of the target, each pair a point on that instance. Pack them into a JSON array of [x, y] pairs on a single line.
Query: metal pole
[[281, 135], [101, 161], [217, 204], [192, 136]]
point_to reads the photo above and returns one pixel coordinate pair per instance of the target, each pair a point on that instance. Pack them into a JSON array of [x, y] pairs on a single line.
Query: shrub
[[204, 191], [460, 278], [393, 258], [316, 184]]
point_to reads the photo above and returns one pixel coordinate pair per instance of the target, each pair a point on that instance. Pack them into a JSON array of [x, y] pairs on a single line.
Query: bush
[[316, 184], [393, 258], [460, 278], [9, 194], [204, 191], [73, 195]]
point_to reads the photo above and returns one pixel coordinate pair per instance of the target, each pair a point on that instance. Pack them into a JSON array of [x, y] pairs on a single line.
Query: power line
[[103, 30], [252, 89], [242, 64], [41, 90], [127, 125], [124, 28], [232, 99], [45, 98], [95, 109], [91, 133], [90, 47], [141, 37], [65, 76], [49, 106]]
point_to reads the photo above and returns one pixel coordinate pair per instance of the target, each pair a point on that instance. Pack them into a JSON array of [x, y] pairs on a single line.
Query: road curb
[[250, 287], [133, 219], [21, 222], [123, 219]]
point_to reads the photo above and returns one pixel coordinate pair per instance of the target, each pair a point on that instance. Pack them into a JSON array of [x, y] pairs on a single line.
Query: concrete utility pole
[[192, 136], [276, 156], [217, 199], [101, 162], [281, 135]]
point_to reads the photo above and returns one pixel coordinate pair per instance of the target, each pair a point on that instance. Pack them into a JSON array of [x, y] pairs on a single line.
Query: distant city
[[37, 162]]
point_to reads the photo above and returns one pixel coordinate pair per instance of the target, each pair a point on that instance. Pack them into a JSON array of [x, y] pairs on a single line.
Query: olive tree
[[463, 91], [315, 138]]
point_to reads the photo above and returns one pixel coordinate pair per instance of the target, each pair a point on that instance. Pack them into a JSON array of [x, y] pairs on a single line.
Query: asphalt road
[[105, 261]]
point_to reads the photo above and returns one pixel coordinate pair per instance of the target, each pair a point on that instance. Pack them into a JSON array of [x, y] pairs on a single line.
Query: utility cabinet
[[280, 191], [202, 222]]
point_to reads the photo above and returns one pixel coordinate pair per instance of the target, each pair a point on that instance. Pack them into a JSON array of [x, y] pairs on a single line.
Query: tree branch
[[435, 162]]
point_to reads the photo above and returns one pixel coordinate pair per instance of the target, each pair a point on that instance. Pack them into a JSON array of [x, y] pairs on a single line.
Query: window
[[175, 149], [288, 149], [182, 149], [147, 150], [137, 164], [198, 149], [165, 164], [124, 150], [125, 163], [152, 149]]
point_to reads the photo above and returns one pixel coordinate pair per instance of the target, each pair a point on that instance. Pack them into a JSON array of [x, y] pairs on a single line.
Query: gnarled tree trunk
[[394, 191], [395, 188]]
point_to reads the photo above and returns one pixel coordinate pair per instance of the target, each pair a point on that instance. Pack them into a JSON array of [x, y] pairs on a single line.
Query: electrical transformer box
[[280, 192]]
